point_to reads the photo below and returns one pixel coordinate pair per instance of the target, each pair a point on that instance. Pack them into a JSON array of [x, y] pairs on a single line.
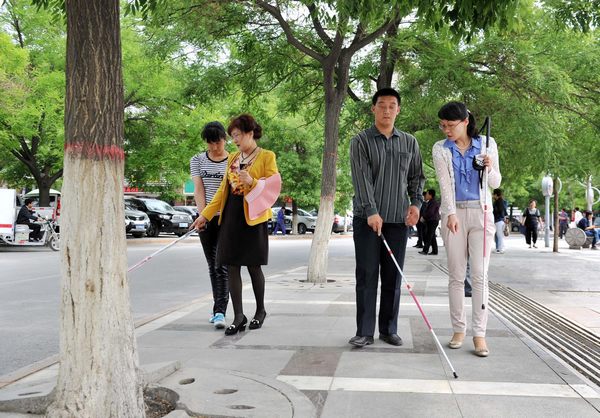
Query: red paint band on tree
[[95, 151]]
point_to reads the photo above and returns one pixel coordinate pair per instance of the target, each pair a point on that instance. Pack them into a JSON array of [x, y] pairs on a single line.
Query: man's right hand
[[376, 223]]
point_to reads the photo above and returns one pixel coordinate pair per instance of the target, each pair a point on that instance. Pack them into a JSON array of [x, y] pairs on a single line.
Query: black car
[[163, 218]]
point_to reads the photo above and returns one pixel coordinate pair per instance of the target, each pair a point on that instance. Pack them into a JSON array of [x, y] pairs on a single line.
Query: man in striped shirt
[[387, 175]]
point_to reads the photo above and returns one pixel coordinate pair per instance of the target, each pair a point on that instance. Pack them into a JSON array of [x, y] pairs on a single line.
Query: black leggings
[[235, 289]]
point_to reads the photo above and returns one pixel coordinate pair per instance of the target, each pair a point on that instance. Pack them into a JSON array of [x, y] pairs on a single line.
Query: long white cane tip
[[455, 375]]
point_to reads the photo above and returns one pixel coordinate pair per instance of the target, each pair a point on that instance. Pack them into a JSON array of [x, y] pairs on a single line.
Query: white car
[[306, 221]]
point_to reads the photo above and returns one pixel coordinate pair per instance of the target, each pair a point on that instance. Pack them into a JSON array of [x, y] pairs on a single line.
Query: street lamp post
[[547, 190]]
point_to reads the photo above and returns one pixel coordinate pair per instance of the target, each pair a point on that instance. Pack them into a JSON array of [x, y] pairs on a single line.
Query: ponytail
[[472, 126]]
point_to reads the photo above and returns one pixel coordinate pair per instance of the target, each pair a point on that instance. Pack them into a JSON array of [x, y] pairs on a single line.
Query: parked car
[[306, 221], [163, 218], [136, 222], [339, 221], [190, 210]]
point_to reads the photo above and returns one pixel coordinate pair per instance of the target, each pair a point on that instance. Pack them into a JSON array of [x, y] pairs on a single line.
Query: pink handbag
[[263, 196]]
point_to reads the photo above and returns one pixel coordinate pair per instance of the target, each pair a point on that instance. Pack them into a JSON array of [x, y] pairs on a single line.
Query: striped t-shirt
[[211, 172]]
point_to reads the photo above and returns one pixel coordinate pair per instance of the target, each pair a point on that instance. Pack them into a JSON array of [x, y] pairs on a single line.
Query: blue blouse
[[466, 178]]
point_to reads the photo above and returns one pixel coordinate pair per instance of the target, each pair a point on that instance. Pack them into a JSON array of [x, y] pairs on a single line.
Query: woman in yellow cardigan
[[243, 241]]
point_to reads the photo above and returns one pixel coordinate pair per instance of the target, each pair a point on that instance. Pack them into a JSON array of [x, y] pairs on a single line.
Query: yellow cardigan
[[264, 165]]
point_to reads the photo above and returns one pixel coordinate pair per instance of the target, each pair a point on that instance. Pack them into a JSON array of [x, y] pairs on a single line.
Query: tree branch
[[317, 25], [362, 41], [276, 13], [353, 95]]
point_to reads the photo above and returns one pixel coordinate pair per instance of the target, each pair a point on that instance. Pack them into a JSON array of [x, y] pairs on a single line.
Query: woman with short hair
[[244, 240]]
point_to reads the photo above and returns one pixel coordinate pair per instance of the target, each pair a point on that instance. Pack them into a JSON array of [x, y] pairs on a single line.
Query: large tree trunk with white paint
[[98, 359], [334, 98]]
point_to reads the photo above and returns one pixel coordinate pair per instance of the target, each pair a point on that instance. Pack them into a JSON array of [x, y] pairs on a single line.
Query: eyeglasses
[[236, 135], [449, 126]]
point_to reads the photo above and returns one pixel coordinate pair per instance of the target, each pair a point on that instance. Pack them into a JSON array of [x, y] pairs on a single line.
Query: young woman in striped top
[[208, 169]]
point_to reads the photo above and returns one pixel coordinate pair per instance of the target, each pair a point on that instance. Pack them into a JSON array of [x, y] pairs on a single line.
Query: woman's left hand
[[246, 178]]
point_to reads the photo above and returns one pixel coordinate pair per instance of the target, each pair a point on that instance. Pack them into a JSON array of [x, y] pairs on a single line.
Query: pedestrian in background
[[464, 218], [531, 221], [500, 214], [280, 224], [432, 220], [563, 222], [421, 224], [243, 241], [207, 170], [387, 175]]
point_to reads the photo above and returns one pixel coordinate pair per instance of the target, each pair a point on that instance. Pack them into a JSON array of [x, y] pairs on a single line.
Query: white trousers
[[467, 244]]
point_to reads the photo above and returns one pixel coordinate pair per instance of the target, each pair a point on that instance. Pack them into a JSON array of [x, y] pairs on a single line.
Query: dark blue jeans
[[372, 262]]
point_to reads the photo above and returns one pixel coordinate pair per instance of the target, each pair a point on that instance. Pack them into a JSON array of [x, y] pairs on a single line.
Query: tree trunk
[[556, 224], [317, 262], [44, 194], [98, 359], [294, 217]]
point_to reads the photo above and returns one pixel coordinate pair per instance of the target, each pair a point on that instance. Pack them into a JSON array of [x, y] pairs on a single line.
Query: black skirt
[[239, 243]]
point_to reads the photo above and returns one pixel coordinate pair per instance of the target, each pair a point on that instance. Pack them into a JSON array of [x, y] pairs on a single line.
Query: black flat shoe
[[392, 339], [235, 328], [422, 252], [257, 321]]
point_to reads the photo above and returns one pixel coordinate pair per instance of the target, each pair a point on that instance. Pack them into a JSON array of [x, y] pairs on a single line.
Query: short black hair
[[28, 201], [588, 213], [386, 91], [213, 132], [497, 192], [431, 192]]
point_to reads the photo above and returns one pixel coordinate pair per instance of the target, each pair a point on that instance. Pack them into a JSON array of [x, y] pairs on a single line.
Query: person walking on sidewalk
[[244, 241], [387, 176], [207, 170], [421, 224], [499, 217], [563, 223], [280, 225], [432, 220], [464, 218], [531, 221]]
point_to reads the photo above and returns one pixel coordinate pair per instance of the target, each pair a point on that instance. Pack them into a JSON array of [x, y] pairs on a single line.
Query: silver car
[[136, 222]]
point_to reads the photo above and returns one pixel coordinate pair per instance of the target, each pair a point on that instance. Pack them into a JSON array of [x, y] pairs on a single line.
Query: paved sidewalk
[[300, 365]]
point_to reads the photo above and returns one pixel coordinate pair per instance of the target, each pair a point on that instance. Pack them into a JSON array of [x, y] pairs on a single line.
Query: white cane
[[409, 287]]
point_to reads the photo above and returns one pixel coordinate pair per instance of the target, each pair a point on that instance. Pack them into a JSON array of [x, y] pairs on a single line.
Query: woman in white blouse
[[464, 216]]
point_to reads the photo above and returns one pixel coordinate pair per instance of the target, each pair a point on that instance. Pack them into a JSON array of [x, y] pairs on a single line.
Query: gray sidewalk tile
[[473, 406], [389, 405], [392, 366]]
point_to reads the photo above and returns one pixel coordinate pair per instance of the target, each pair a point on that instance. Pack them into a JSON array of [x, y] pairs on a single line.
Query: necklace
[[244, 160], [463, 148]]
